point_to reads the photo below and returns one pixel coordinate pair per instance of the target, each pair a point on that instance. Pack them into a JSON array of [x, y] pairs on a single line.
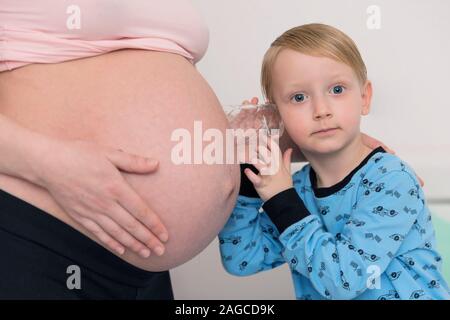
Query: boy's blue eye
[[299, 97], [338, 89]]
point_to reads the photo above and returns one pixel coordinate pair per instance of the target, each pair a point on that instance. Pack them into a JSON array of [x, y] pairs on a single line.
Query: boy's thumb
[[287, 158]]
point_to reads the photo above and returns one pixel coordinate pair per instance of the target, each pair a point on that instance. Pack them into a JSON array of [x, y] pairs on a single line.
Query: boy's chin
[[323, 149]]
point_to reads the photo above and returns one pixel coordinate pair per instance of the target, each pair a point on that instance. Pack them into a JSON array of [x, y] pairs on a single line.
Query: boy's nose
[[321, 110]]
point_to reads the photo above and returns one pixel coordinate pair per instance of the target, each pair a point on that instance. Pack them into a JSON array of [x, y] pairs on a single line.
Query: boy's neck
[[333, 167]]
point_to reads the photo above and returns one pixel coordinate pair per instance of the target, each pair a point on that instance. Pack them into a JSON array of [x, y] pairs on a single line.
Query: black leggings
[[41, 257]]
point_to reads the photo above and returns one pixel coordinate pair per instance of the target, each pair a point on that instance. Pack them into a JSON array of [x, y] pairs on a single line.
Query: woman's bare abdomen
[[132, 100]]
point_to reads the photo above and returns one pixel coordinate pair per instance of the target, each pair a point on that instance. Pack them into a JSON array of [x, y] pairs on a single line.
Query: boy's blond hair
[[313, 39]]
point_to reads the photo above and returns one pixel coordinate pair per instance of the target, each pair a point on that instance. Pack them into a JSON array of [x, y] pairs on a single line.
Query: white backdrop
[[408, 61]]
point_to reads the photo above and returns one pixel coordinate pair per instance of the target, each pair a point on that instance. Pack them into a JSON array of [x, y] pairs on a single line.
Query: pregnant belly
[[132, 100]]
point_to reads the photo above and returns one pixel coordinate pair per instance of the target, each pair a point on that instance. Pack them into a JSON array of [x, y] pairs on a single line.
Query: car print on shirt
[[233, 240], [371, 187], [433, 284], [392, 295], [381, 211], [397, 237], [419, 228], [324, 210], [394, 275], [374, 237], [416, 294], [356, 222]]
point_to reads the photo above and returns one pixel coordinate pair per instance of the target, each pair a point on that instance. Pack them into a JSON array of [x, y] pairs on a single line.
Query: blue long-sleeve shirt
[[369, 236]]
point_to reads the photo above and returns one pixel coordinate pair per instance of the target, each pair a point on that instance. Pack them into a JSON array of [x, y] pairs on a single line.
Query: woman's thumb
[[131, 163]]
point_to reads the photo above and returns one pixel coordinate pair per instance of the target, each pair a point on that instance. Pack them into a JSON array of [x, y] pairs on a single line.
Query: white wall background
[[408, 61]]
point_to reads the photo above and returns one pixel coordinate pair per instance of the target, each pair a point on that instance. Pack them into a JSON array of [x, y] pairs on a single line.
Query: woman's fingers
[[422, 183], [134, 229], [385, 147], [134, 204], [96, 230], [115, 230], [373, 143], [131, 163]]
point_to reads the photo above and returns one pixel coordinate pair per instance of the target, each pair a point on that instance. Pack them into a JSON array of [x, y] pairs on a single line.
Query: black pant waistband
[[33, 224]]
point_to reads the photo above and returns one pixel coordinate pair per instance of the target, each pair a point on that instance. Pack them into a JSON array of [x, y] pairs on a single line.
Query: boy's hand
[[251, 119], [254, 116], [246, 118], [274, 169], [253, 100], [257, 118]]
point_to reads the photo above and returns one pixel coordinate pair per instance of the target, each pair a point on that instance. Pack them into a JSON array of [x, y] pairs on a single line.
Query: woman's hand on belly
[[84, 179]]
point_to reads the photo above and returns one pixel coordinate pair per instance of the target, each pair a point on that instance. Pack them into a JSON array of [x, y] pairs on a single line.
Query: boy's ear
[[366, 95]]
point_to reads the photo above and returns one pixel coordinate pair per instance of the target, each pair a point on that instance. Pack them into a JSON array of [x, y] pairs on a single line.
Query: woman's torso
[[133, 100]]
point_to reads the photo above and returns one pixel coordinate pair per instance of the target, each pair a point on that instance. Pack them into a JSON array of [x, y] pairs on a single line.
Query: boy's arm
[[339, 266], [249, 240]]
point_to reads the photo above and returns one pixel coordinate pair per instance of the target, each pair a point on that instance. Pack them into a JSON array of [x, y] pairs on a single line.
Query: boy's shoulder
[[383, 164], [380, 164]]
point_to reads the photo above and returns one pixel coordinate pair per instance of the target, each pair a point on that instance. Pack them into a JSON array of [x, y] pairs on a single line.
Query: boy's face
[[320, 100]]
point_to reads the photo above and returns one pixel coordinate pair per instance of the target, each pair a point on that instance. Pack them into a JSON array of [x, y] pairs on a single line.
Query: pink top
[[51, 31]]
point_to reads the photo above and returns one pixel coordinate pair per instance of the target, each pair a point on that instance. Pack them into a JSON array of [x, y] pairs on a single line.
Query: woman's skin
[[130, 100], [24, 157]]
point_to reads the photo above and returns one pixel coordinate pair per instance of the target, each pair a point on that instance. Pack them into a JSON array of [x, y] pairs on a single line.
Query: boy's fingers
[[269, 141], [253, 100], [287, 158], [258, 164], [264, 141], [265, 154], [256, 180]]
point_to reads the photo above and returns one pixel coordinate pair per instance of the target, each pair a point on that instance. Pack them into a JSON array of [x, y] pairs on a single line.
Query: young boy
[[353, 224]]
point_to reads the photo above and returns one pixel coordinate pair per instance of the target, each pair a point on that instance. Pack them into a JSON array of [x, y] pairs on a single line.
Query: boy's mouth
[[326, 131]]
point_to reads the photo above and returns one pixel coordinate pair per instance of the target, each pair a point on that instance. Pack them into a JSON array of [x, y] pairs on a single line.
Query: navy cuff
[[285, 209], [247, 189]]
